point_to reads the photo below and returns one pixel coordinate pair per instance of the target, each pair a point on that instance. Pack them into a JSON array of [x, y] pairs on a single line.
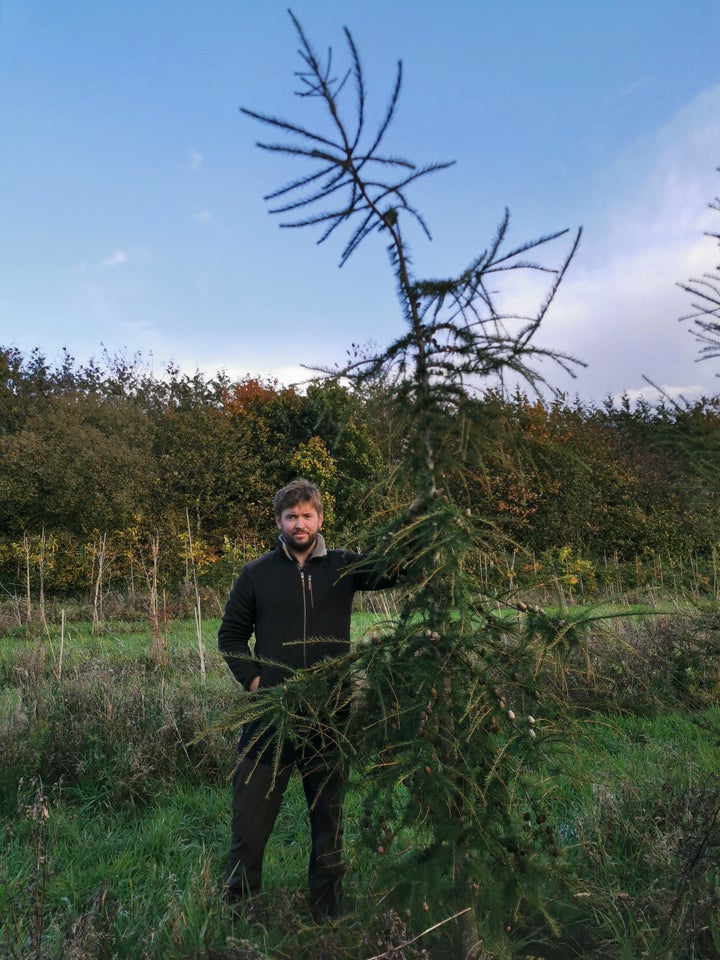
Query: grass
[[114, 879], [115, 806]]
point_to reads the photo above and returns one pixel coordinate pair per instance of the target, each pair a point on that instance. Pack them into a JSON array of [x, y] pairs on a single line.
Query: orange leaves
[[251, 392]]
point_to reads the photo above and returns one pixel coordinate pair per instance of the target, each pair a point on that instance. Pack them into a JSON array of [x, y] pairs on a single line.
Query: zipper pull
[[310, 589]]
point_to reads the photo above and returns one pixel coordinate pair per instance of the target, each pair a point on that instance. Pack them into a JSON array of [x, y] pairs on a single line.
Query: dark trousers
[[255, 805]]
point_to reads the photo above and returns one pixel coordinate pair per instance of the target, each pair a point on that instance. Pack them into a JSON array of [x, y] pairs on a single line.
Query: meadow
[[114, 796]]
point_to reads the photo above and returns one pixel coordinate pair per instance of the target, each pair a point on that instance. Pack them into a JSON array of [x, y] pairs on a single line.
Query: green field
[[115, 798]]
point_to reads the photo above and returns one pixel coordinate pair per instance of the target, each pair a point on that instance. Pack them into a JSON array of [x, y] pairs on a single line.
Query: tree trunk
[[467, 940]]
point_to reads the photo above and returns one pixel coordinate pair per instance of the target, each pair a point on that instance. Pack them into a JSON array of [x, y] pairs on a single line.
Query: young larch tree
[[448, 707]]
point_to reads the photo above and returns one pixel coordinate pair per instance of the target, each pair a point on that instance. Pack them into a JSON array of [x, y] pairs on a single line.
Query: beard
[[301, 546]]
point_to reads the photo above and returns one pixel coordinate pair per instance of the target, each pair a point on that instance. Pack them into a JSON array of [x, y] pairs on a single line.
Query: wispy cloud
[[118, 258], [252, 365], [195, 159], [633, 88], [661, 391], [202, 216]]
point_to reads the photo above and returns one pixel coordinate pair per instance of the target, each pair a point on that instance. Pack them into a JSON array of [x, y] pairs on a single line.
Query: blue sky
[[131, 190]]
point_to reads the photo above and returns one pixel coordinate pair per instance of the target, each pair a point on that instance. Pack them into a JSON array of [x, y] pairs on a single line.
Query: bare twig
[[391, 950]]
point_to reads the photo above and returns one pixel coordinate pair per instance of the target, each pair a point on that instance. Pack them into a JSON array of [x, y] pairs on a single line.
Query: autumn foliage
[[117, 453]]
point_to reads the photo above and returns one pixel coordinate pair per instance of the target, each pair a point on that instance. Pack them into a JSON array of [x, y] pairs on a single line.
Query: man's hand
[[254, 684]]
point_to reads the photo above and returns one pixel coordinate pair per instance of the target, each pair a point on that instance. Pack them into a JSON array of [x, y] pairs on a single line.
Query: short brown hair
[[297, 491]]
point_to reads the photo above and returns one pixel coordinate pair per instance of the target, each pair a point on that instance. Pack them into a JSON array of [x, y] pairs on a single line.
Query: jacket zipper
[[304, 634]]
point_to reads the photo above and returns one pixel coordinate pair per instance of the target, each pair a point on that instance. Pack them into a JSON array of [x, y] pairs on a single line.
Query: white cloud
[[286, 375], [195, 159], [136, 328], [202, 216], [118, 258], [656, 392], [620, 305], [633, 88]]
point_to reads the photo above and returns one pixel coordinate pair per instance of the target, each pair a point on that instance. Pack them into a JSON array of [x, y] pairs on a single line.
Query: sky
[[131, 189]]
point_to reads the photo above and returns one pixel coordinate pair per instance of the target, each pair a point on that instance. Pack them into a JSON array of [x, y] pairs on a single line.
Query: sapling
[[442, 710]]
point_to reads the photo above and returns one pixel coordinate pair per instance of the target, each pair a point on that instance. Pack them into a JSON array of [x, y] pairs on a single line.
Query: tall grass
[[114, 793]]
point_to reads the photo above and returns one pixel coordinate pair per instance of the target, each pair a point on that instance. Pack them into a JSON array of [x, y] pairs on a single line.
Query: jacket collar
[[319, 550]]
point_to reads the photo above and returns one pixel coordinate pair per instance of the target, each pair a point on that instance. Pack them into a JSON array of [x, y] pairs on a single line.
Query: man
[[297, 600]]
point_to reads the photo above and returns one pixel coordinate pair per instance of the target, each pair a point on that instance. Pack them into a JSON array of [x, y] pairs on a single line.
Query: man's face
[[299, 526]]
